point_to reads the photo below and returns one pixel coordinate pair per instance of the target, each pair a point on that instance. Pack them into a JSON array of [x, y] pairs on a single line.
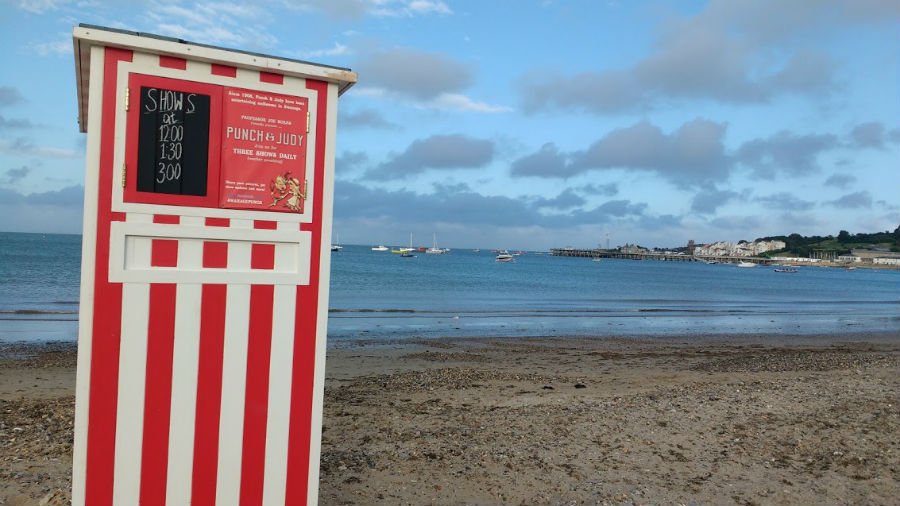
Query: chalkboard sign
[[173, 142]]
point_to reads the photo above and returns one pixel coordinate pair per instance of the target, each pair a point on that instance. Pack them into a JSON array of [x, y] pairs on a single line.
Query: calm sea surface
[[464, 293]]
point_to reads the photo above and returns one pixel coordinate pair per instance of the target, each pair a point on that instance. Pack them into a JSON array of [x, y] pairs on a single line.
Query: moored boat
[[504, 256], [380, 247]]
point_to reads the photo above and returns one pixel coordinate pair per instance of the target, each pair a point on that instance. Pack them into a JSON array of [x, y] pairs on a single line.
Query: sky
[[526, 124]]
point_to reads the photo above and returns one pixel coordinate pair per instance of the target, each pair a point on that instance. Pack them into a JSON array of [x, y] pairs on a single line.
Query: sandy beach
[[750, 420]]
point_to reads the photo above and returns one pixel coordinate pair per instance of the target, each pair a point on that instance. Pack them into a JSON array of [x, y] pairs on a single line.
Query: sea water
[[380, 295]]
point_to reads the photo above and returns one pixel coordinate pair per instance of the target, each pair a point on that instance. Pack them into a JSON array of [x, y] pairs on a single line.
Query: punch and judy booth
[[208, 192]]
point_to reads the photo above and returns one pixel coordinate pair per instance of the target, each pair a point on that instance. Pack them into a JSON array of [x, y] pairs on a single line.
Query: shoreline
[[767, 419]]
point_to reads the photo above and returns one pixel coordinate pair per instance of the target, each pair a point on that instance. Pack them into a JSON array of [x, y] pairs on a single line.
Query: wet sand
[[754, 420]]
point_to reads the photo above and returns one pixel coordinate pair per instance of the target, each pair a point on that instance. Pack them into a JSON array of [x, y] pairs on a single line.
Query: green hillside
[[801, 246]]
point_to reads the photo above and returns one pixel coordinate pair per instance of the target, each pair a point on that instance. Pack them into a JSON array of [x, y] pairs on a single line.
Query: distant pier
[[670, 257]]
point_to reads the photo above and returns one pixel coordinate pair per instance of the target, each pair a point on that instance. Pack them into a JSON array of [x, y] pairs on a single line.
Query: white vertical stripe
[[132, 377], [185, 363], [234, 376], [130, 407], [280, 376], [88, 253]]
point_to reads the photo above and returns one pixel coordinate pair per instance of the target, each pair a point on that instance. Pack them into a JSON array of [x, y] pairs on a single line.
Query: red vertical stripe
[[268, 77], [104, 374], [305, 327], [223, 70], [158, 382], [256, 401], [209, 378], [172, 62]]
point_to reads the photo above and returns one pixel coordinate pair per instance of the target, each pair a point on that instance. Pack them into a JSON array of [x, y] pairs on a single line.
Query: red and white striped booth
[[204, 285]]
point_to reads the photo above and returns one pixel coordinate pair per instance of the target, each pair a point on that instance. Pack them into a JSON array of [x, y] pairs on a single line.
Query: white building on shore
[[741, 249]]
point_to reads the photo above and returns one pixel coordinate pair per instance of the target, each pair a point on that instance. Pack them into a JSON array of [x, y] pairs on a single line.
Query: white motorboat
[[380, 247], [504, 256]]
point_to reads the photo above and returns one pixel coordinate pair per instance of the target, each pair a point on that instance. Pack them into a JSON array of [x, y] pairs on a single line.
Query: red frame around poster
[[130, 193]]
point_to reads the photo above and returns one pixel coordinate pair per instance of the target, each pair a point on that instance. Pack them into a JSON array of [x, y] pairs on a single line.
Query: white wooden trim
[[278, 421], [234, 377], [86, 295], [296, 246], [185, 366], [131, 388]]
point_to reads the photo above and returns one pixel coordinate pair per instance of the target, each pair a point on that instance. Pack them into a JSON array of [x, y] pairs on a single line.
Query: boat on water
[[595, 259], [746, 264], [504, 256], [434, 250], [401, 251], [380, 247], [336, 246], [785, 269], [407, 254]]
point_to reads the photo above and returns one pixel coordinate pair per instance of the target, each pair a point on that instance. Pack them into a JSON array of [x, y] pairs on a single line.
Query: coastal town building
[[741, 249]]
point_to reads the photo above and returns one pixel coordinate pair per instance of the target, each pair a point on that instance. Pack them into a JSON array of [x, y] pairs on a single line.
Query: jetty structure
[[669, 257]]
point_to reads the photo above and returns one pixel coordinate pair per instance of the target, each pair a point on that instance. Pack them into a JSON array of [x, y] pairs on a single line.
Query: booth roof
[[84, 36]]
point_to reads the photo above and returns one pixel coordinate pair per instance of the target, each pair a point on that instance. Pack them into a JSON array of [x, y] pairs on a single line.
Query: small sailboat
[[336, 246], [406, 252], [434, 250]]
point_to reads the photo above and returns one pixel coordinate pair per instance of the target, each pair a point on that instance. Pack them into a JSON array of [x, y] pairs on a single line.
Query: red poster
[[264, 137]]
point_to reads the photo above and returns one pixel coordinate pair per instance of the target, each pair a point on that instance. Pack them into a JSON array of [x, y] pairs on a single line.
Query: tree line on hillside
[[802, 246]]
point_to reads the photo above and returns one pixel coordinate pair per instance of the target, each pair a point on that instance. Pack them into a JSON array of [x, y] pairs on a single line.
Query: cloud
[[409, 8], [416, 74], [62, 46], [548, 161], [565, 200], [355, 9], [607, 190], [57, 211], [10, 96], [24, 147], [856, 200], [41, 6], [13, 176], [365, 118], [460, 205], [693, 154], [736, 223], [442, 152], [840, 180], [338, 50], [729, 52], [785, 201], [707, 201], [458, 102], [796, 155], [229, 24], [15, 124], [349, 161], [868, 135], [599, 92]]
